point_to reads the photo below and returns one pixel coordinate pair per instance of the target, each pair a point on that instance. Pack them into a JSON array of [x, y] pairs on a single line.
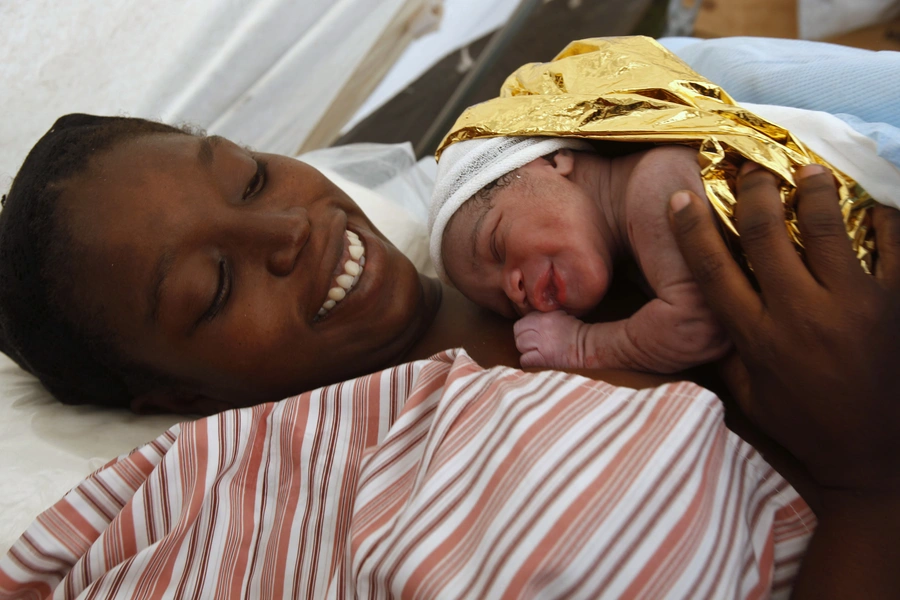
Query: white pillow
[[839, 144], [397, 223], [48, 447]]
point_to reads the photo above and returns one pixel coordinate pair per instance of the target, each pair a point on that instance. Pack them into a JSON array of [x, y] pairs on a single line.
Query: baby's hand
[[549, 340]]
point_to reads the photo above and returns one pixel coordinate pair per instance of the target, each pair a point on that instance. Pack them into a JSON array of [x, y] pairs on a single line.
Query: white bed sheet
[[841, 145]]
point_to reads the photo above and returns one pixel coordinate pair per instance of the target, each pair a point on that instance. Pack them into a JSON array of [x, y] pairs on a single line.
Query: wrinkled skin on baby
[[545, 247]]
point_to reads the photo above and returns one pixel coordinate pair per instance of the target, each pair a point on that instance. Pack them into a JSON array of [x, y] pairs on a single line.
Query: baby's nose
[[515, 289]]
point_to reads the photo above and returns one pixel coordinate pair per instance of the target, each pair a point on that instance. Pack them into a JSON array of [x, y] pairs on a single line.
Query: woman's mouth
[[348, 272]]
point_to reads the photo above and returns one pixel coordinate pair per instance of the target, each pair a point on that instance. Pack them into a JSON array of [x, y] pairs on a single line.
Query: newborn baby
[[533, 227]]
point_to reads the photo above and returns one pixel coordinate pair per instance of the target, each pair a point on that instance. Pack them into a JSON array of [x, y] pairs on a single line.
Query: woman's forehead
[[130, 199], [137, 170], [162, 148]]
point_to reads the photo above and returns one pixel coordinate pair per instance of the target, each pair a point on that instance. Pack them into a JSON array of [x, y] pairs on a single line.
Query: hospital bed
[[47, 448]]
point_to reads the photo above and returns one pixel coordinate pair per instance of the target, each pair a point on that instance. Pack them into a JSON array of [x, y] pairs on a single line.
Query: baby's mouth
[[350, 268], [547, 294]]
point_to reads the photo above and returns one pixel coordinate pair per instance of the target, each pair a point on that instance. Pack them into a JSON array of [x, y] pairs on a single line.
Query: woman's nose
[[284, 236]]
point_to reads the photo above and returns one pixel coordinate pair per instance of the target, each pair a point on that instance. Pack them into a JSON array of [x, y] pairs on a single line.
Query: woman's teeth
[[353, 268]]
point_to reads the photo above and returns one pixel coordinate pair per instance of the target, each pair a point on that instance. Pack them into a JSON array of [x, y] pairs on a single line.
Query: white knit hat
[[466, 167]]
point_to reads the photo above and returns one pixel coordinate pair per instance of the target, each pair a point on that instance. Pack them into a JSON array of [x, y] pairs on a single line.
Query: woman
[[253, 244], [132, 253], [237, 224]]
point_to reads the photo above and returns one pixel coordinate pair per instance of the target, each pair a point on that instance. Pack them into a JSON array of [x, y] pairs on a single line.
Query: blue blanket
[[861, 87]]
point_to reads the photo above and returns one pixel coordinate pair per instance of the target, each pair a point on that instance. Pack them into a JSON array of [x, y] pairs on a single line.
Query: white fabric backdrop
[[464, 21], [263, 72]]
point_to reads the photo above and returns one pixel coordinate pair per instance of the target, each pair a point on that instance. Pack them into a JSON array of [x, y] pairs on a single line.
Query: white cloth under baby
[[841, 145]]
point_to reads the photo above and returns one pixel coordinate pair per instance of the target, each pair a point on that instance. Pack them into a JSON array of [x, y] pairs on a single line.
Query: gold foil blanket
[[631, 89]]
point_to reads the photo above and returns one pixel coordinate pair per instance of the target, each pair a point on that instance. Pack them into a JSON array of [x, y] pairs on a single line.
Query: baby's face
[[534, 244]]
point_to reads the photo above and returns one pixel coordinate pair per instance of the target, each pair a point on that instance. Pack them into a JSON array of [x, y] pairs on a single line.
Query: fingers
[[828, 251], [886, 222], [735, 375], [529, 343], [532, 359], [763, 233], [725, 287], [528, 340]]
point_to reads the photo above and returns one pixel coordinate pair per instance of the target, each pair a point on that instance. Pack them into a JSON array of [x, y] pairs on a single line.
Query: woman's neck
[[459, 323]]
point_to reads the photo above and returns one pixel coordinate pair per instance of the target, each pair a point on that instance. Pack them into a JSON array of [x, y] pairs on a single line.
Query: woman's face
[[214, 265]]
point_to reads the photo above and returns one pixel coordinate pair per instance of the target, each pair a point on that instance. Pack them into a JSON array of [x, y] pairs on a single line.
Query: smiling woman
[[147, 266], [229, 271]]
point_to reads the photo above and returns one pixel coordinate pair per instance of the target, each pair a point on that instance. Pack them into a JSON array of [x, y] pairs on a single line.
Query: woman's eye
[[257, 181], [223, 291]]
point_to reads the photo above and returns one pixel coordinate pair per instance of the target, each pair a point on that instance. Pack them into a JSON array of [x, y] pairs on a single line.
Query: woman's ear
[[176, 402], [563, 161]]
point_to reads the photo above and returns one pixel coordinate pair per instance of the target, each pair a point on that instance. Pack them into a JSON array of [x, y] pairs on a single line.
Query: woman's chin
[[431, 293], [414, 302]]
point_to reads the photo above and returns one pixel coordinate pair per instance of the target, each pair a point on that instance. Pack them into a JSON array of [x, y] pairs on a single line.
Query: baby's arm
[[675, 330], [664, 336]]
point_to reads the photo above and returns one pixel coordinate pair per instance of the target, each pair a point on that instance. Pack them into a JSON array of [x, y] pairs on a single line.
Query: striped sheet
[[431, 479]]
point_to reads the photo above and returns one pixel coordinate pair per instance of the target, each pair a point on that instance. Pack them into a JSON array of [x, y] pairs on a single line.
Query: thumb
[[698, 238], [723, 284]]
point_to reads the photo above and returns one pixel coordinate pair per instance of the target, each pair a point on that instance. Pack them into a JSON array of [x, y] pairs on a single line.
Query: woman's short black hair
[[72, 354]]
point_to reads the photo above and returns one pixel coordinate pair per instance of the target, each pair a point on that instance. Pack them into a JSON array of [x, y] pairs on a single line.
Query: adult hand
[[821, 341], [820, 351]]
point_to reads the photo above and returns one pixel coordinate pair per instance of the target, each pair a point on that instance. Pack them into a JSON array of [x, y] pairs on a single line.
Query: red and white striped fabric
[[432, 479]]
